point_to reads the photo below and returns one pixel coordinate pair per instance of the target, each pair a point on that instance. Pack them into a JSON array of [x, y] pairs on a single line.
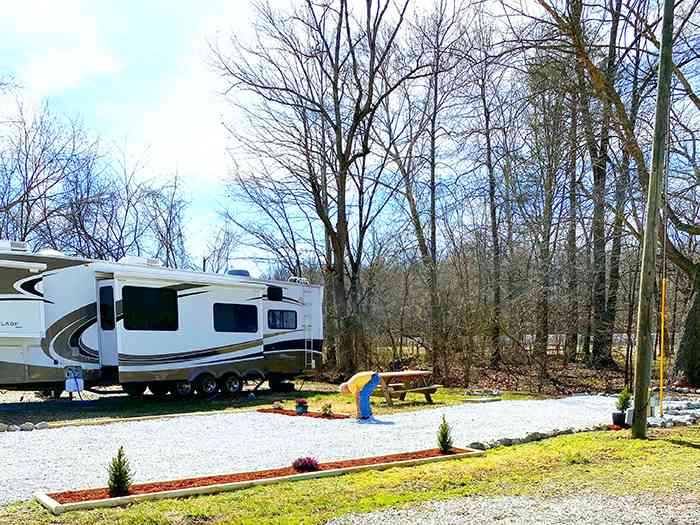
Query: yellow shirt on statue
[[358, 381]]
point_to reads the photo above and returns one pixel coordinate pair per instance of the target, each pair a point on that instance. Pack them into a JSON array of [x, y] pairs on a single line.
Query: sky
[[137, 74]]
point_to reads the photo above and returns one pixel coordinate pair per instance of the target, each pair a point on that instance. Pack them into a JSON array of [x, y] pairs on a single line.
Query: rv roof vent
[[139, 261], [14, 246], [49, 252], [239, 273]]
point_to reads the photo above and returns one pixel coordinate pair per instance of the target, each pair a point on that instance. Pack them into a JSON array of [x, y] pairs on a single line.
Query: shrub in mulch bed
[[75, 496], [307, 464], [287, 412]]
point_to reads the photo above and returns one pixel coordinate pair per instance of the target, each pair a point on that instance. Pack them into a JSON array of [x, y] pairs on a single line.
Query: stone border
[[57, 508], [482, 399]]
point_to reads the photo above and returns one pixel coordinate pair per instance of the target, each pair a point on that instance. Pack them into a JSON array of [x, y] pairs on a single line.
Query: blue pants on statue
[[365, 393]]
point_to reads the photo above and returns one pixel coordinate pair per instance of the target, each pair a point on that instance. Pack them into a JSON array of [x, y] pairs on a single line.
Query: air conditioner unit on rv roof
[[139, 261], [13, 246]]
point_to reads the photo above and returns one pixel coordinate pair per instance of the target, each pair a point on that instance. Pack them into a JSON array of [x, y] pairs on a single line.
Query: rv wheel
[[232, 385], [134, 389], [207, 386], [183, 389], [277, 385]]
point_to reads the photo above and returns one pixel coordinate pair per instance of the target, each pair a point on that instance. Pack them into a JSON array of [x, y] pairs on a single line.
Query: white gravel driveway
[[591, 509], [76, 457]]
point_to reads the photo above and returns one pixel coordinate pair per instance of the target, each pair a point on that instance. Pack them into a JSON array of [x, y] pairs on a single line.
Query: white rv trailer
[[140, 325]]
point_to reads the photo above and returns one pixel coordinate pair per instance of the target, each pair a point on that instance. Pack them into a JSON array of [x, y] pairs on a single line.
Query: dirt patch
[[288, 412], [149, 488]]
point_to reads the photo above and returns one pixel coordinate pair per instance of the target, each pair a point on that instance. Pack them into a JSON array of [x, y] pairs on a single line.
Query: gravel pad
[[588, 509], [76, 457]]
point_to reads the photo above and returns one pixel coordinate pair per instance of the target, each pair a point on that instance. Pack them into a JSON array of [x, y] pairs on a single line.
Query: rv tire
[[277, 385], [207, 387], [231, 385], [134, 389], [183, 389]]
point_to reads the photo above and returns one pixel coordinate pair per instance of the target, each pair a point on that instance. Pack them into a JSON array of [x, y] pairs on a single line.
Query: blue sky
[[136, 73]]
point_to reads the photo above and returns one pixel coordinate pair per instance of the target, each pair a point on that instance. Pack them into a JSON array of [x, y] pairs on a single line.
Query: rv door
[[107, 320]]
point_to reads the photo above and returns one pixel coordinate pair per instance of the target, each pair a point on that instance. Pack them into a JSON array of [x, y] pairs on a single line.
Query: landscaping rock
[[26, 427], [3, 427], [506, 442], [41, 426], [478, 445], [13, 428]]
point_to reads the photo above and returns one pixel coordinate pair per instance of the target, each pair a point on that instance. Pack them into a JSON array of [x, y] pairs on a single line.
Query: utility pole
[[642, 371]]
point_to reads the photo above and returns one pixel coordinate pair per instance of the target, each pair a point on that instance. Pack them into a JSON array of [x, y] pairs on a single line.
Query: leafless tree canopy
[[468, 179]]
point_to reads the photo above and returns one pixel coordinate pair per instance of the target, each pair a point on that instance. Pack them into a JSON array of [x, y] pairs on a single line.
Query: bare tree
[[317, 69]]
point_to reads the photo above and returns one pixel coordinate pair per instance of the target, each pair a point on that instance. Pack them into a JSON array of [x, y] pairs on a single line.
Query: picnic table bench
[[395, 385]]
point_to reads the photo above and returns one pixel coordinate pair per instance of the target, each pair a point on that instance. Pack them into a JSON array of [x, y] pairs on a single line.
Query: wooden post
[[642, 371]]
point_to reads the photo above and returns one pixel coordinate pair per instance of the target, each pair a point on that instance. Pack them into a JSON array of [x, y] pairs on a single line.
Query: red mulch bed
[[616, 427], [288, 412], [75, 496]]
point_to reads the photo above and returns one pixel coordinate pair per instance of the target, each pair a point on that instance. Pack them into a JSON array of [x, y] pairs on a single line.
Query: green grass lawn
[[601, 462], [108, 409]]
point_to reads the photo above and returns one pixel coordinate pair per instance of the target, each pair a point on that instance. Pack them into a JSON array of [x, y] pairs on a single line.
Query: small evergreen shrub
[[327, 410], [444, 436], [120, 475], [624, 400], [307, 464]]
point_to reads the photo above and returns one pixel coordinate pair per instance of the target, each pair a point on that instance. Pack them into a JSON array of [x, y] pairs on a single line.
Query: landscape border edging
[[57, 508]]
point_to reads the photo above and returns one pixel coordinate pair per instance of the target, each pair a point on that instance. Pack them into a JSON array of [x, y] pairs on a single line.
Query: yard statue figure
[[361, 386]]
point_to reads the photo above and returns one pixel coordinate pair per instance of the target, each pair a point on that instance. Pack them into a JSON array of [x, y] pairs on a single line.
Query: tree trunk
[[344, 343], [571, 343], [496, 250], [688, 361], [435, 318], [614, 278]]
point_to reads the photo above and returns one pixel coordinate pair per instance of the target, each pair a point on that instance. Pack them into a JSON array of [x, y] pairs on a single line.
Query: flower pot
[[302, 409], [618, 418]]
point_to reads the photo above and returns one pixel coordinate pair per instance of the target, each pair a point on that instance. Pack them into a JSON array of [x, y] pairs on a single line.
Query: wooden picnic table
[[398, 384]]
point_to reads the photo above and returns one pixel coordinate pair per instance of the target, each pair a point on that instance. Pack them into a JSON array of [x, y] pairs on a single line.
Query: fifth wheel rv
[[66, 320]]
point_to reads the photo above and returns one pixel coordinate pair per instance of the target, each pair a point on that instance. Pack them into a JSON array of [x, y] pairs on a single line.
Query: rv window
[[107, 308], [282, 319], [235, 318], [152, 309]]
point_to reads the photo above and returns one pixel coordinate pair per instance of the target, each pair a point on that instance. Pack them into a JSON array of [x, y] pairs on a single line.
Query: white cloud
[[55, 70], [63, 44]]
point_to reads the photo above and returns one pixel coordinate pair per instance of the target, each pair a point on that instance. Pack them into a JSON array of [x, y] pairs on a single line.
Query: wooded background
[[467, 179]]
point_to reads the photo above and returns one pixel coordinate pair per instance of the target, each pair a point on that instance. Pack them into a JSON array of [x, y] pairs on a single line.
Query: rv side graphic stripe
[[58, 334], [29, 286], [191, 293], [276, 334], [293, 344], [128, 359], [285, 299]]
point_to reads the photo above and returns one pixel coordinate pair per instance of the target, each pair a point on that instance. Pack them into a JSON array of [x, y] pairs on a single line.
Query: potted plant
[[623, 403], [327, 410], [302, 407]]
